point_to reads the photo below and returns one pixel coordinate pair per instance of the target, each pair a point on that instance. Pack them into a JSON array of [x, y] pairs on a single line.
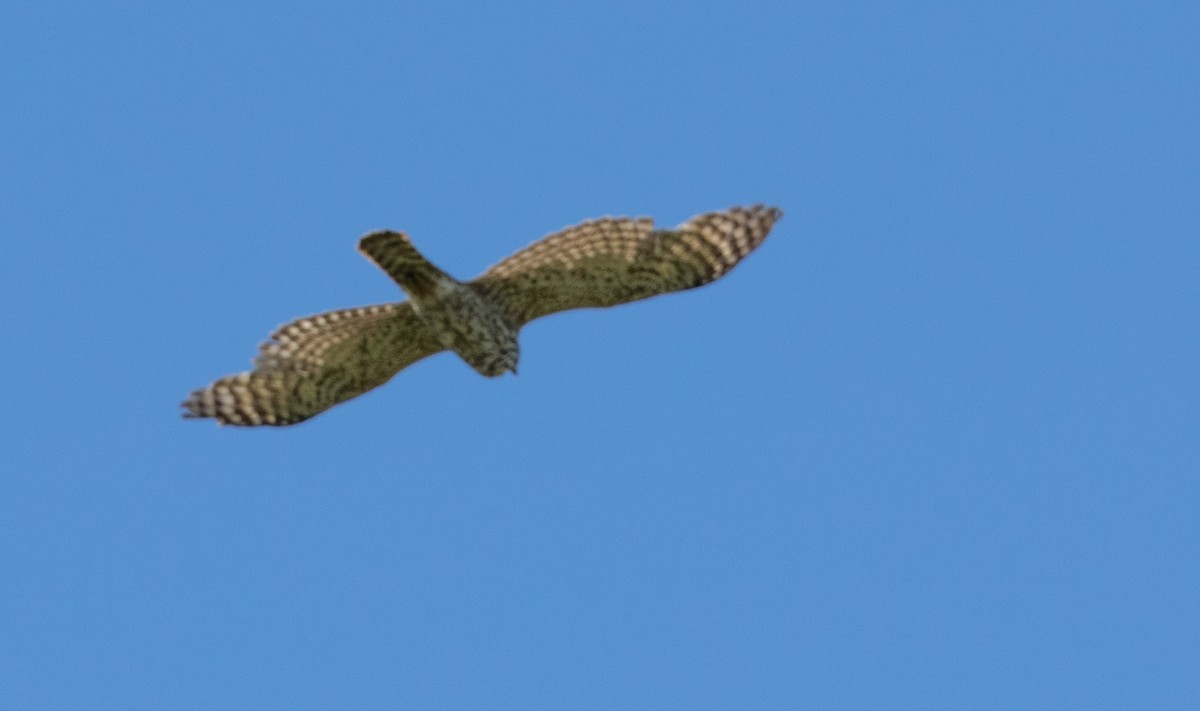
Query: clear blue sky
[[934, 445]]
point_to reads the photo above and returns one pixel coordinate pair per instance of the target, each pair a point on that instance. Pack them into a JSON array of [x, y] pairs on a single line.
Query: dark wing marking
[[615, 260], [316, 362]]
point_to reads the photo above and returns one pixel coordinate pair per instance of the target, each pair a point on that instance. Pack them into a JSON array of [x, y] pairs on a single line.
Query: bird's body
[[314, 363], [463, 319]]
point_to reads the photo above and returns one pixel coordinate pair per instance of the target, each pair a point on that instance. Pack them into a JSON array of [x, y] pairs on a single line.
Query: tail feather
[[395, 254]]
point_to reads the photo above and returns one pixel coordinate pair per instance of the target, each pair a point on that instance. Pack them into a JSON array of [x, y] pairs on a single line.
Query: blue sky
[[932, 446]]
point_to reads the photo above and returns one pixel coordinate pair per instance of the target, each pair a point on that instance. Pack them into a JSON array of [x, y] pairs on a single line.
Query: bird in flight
[[314, 363]]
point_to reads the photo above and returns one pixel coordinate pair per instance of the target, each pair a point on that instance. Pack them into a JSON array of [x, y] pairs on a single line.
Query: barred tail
[[395, 254]]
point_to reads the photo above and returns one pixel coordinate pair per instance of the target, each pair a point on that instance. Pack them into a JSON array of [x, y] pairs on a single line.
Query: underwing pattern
[[314, 363]]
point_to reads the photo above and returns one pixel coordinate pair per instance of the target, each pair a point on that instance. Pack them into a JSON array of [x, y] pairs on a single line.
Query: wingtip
[[770, 210], [192, 406]]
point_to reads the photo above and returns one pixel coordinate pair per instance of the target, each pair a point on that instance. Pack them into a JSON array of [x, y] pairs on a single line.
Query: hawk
[[314, 363]]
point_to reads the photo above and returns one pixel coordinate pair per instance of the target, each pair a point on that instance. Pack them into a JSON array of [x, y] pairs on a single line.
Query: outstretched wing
[[615, 260], [314, 363]]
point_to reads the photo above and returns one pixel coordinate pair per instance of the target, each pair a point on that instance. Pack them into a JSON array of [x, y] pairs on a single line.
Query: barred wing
[[314, 363], [615, 260]]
